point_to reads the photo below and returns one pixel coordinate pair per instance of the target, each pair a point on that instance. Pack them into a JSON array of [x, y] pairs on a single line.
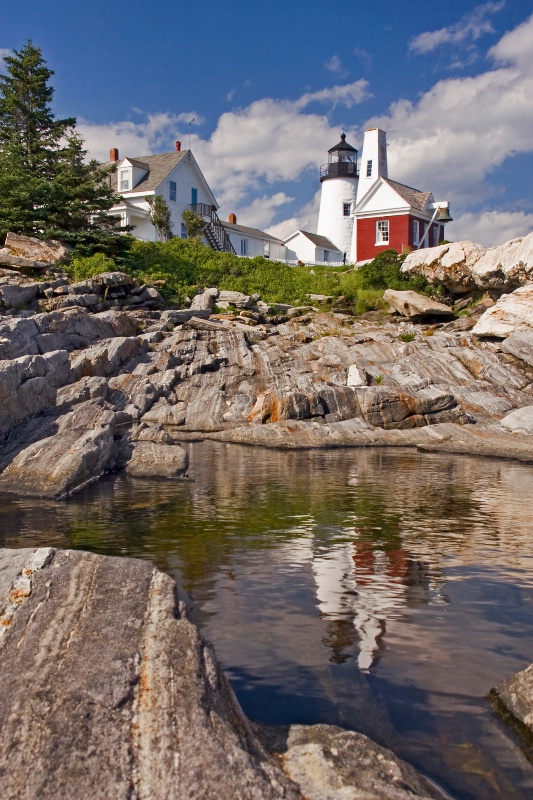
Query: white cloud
[[462, 129], [490, 227], [469, 28], [334, 64], [348, 95], [305, 219], [261, 211]]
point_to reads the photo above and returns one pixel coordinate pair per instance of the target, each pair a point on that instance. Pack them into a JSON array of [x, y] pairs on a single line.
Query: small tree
[[160, 217], [194, 224]]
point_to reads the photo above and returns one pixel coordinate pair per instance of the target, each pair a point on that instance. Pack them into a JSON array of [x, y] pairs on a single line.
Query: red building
[[390, 214]]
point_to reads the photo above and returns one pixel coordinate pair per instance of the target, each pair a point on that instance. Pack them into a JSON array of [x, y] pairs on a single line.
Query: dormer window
[[125, 180]]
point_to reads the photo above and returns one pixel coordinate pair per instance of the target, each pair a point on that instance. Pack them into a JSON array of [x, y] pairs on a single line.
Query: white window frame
[[124, 180], [266, 249], [415, 232], [172, 190], [244, 247], [382, 232], [346, 206], [326, 256], [369, 168]]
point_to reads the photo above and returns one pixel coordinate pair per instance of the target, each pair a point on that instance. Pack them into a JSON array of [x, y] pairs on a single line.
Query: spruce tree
[[46, 187]]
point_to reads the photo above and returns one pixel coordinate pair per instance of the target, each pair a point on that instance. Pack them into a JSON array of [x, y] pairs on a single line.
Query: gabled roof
[[136, 163], [318, 241], [158, 167], [414, 197], [230, 226]]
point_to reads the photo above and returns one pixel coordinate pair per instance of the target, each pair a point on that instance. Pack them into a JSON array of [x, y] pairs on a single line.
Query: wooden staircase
[[213, 231]]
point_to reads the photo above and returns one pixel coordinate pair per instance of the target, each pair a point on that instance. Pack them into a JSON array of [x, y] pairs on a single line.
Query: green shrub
[[85, 267], [407, 337]]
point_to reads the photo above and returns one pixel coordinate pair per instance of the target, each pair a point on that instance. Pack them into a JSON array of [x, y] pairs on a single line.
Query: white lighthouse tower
[[339, 179]]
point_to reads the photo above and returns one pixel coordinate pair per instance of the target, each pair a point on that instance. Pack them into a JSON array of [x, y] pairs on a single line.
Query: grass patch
[[187, 266]]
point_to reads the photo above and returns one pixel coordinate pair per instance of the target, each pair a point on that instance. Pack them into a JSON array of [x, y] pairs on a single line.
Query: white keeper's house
[[177, 177]]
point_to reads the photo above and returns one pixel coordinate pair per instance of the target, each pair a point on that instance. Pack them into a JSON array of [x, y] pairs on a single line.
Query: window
[[414, 232], [422, 228], [266, 249], [244, 247], [326, 256], [172, 190], [194, 196], [183, 231], [124, 180], [382, 231], [346, 209], [435, 235], [369, 169]]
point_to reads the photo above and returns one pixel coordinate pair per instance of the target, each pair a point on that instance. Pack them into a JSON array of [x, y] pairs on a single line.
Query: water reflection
[[382, 590]]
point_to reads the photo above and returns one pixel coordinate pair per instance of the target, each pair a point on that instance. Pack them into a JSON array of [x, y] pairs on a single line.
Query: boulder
[[28, 386], [512, 313], [149, 459], [507, 266], [237, 299], [357, 376], [515, 694], [520, 345], [204, 301], [80, 447], [417, 306], [449, 264], [462, 266], [129, 698], [26, 252], [519, 421], [13, 295], [113, 280], [329, 763]]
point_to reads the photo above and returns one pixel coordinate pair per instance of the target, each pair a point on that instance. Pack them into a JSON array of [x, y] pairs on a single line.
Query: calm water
[[380, 590]]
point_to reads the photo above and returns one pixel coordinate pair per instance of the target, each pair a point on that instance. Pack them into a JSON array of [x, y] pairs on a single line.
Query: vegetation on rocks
[[188, 266]]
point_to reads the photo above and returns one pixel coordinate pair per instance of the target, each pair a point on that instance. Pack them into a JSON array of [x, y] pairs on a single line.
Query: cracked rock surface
[[108, 691]]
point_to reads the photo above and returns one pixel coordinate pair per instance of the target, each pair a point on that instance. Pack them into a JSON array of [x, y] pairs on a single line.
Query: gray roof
[[320, 241], [414, 197], [230, 226], [135, 162], [158, 168]]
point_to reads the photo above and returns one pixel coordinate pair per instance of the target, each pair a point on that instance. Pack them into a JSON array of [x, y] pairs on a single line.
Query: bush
[[85, 267], [187, 266]]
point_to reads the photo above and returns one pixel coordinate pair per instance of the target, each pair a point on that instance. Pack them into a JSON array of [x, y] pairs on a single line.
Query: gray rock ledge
[[109, 692]]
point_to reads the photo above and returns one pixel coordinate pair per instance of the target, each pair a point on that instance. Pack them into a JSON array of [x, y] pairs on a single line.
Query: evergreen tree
[[46, 187]]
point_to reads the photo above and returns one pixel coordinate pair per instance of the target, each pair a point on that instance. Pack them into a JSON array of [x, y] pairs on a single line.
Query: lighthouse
[[339, 179]]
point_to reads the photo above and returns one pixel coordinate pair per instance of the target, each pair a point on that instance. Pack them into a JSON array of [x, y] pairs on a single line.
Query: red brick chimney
[[232, 219], [113, 154], [178, 146]]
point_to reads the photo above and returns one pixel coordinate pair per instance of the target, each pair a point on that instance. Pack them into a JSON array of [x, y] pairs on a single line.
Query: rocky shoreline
[[87, 391]]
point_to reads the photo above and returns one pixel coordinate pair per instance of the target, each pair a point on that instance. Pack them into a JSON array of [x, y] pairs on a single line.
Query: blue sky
[[271, 85]]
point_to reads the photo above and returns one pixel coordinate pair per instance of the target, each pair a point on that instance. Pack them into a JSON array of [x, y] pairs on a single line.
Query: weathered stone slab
[[519, 421], [416, 306], [449, 264], [513, 313], [520, 345]]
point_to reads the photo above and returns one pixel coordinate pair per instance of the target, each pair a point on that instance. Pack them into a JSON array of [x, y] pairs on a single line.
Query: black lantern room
[[342, 161]]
